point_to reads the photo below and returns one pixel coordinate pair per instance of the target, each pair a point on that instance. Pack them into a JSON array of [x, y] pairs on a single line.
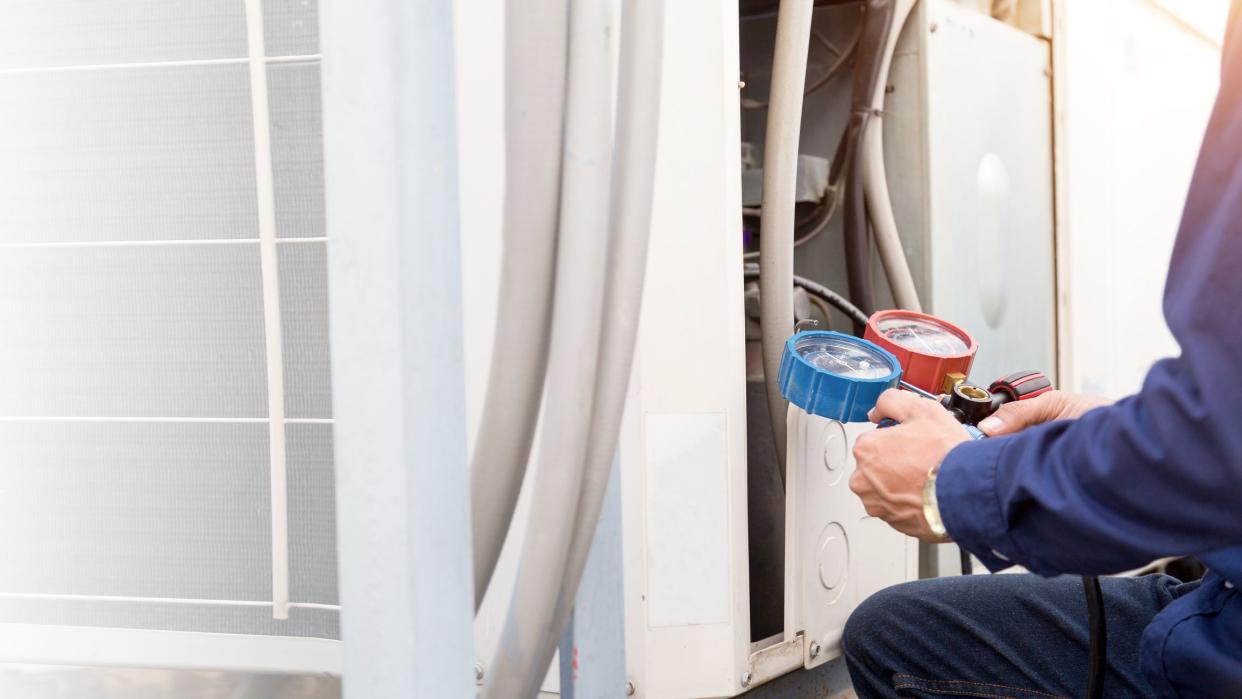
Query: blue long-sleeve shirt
[[1158, 473]]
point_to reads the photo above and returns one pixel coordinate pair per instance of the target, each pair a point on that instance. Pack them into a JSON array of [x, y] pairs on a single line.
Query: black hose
[[842, 153], [854, 313], [857, 240], [1099, 636], [837, 301]]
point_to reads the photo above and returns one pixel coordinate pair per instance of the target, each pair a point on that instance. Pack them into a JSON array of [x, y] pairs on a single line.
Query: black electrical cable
[[837, 301], [857, 240], [1097, 623], [968, 565]]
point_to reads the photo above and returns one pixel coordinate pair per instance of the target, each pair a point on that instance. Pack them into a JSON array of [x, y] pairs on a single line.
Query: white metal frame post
[[394, 274]]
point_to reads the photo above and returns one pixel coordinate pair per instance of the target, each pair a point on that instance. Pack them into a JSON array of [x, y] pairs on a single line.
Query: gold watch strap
[[931, 508]]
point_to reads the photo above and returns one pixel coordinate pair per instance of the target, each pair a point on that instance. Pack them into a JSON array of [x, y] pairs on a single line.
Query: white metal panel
[[989, 141], [690, 357]]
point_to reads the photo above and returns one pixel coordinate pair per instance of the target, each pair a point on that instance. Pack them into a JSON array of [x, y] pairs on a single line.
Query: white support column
[[390, 154]]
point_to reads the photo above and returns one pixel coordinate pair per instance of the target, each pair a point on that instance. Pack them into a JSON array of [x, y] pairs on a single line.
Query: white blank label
[[687, 519]]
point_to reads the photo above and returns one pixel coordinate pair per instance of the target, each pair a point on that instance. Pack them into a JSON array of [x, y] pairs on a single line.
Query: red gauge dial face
[[934, 354], [922, 336]]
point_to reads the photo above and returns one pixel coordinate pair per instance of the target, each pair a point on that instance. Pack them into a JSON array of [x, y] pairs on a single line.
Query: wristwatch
[[931, 508]]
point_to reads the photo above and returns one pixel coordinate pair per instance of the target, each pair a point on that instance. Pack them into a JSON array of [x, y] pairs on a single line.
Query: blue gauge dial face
[[840, 357]]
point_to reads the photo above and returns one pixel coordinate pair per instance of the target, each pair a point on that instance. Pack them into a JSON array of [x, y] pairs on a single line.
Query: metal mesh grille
[[141, 239], [52, 33], [161, 153]]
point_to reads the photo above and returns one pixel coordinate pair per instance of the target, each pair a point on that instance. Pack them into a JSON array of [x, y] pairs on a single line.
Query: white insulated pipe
[[535, 57], [637, 132], [875, 181], [780, 172], [519, 667]]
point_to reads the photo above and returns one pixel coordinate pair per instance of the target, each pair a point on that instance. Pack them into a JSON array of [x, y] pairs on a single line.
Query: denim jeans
[[1007, 636]]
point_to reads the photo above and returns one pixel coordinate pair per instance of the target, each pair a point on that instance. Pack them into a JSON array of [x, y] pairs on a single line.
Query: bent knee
[[882, 618]]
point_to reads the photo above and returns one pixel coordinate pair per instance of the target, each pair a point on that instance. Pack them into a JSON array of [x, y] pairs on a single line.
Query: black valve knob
[[1019, 385], [968, 403]]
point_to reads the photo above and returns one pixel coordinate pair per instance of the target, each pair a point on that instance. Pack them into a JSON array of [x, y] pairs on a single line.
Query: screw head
[[746, 678], [630, 689], [478, 671], [933, 27], [814, 649]]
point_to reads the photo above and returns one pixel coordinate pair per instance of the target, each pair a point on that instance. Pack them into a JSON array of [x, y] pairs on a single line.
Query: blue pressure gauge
[[836, 376]]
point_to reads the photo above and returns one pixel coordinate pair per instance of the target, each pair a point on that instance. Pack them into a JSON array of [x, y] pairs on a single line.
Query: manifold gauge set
[[840, 377]]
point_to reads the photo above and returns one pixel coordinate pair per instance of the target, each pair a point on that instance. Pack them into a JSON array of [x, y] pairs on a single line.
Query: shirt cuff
[[969, 506]]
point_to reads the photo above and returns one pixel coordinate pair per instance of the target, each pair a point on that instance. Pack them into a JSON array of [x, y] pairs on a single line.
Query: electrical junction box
[[836, 554]]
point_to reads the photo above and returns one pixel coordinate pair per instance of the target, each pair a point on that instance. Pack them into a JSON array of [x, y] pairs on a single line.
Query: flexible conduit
[[519, 664], [875, 181], [776, 232], [535, 54], [638, 110], [877, 27]]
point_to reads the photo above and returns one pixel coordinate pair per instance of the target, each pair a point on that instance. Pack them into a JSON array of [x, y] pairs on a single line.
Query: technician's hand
[[893, 463], [1053, 405]]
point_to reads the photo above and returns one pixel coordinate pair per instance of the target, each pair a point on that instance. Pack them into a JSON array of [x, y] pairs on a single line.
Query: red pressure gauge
[[935, 355]]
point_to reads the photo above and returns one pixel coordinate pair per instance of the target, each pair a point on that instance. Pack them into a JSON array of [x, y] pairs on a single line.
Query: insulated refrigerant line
[[877, 28], [776, 232], [875, 181], [536, 32], [637, 136], [528, 639]]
